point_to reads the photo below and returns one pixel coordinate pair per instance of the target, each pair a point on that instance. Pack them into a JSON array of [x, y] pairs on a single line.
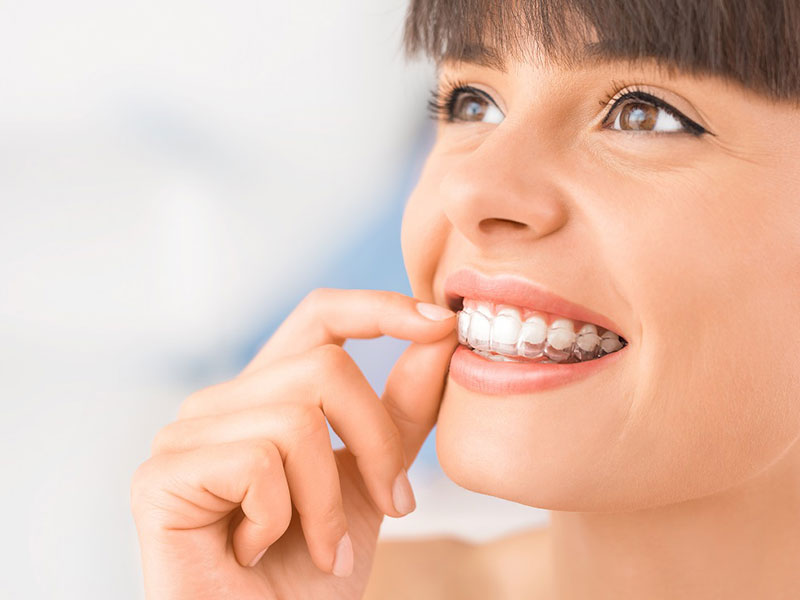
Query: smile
[[507, 333], [516, 337]]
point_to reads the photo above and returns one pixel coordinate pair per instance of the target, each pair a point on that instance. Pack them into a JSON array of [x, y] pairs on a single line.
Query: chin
[[556, 451], [536, 450]]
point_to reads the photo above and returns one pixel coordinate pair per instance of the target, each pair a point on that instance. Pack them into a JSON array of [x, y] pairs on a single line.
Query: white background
[[171, 172]]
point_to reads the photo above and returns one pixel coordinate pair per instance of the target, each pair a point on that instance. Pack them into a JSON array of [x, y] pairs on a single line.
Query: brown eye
[[637, 115], [469, 106]]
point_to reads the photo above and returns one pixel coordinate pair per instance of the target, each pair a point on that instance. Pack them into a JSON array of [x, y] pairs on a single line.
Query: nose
[[503, 191]]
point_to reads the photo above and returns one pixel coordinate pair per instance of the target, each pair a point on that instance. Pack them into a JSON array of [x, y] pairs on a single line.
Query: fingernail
[[402, 496], [343, 562], [434, 312], [258, 557]]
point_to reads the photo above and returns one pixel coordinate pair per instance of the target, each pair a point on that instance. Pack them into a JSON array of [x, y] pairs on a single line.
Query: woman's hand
[[248, 464]]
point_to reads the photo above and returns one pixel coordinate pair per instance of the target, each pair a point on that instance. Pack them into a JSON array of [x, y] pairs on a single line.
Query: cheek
[[708, 399], [423, 237], [719, 382], [608, 444]]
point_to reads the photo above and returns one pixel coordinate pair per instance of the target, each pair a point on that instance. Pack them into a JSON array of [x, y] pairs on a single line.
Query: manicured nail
[[343, 562], [402, 496], [434, 312], [258, 557]]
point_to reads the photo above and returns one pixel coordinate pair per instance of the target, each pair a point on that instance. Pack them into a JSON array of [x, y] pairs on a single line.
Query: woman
[[613, 208]]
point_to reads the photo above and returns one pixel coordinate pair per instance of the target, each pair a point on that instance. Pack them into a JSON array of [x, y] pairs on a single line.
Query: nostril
[[491, 225]]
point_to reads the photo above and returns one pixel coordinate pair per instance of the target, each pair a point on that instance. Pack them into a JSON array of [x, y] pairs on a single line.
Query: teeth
[[485, 308], [463, 326], [495, 357], [560, 340], [532, 337], [501, 330], [505, 331], [609, 342], [587, 343], [479, 330]]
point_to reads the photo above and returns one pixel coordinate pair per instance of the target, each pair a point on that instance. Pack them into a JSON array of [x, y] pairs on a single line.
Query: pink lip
[[517, 291], [485, 376]]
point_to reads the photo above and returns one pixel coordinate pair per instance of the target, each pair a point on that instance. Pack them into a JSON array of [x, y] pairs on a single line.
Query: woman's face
[[691, 244]]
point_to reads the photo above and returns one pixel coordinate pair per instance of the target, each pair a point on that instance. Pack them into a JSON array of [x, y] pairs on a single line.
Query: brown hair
[[755, 43]]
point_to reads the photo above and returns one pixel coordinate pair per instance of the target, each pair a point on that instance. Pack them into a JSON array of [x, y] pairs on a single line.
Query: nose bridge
[[504, 187]]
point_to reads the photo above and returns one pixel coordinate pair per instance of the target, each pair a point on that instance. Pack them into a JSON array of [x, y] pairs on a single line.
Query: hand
[[248, 465]]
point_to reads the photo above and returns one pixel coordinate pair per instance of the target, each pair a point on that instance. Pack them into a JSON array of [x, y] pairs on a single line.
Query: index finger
[[331, 315]]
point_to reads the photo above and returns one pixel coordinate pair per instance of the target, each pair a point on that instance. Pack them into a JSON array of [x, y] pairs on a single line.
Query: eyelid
[[488, 96], [473, 90], [691, 123], [648, 98], [454, 88]]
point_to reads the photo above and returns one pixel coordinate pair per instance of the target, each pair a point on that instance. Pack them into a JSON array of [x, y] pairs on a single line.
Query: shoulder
[[518, 564], [513, 566], [426, 569]]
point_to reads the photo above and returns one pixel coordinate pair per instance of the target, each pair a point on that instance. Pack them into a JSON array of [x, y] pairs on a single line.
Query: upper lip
[[518, 291]]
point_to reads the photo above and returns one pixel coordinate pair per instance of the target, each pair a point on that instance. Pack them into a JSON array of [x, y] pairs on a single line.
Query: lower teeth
[[502, 358], [543, 357]]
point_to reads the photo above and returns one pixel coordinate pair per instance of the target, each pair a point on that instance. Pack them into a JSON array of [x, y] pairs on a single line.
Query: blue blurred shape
[[372, 260]]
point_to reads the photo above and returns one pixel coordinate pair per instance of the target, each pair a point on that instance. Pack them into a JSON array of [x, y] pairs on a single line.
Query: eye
[[464, 103], [640, 111]]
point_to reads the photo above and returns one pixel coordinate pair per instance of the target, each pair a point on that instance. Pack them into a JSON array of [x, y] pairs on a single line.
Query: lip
[[485, 376], [518, 291]]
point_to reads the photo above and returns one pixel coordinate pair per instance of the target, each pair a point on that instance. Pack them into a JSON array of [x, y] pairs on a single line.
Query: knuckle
[[331, 358], [390, 300], [263, 456], [391, 442], [307, 421], [316, 298], [188, 407], [141, 485], [197, 403], [170, 438], [159, 444], [283, 516], [332, 515]]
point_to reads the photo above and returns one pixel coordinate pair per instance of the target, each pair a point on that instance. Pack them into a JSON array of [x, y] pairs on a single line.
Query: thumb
[[414, 390]]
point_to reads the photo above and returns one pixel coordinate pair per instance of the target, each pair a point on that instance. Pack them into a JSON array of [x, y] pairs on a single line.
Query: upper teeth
[[502, 329]]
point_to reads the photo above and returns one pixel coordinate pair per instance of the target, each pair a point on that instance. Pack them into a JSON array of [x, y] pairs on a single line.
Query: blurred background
[[175, 177]]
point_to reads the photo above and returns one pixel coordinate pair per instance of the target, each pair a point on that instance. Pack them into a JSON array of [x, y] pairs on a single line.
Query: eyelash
[[440, 105]]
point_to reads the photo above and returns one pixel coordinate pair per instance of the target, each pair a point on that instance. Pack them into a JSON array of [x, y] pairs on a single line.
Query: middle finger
[[326, 378]]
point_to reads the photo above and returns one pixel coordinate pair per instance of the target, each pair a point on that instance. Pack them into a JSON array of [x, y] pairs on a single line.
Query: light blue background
[[174, 177]]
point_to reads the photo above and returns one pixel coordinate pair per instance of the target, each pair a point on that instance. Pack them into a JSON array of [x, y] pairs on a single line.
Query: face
[[690, 243]]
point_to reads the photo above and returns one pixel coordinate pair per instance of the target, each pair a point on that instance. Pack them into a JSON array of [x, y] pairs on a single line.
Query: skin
[[248, 466], [675, 472]]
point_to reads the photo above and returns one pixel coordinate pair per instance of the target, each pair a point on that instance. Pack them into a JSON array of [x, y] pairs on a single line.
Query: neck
[[742, 543]]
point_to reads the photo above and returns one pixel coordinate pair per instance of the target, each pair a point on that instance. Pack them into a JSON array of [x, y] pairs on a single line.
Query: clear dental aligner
[[507, 333]]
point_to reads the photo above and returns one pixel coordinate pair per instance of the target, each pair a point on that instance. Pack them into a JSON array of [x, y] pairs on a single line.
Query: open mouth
[[518, 337], [506, 333]]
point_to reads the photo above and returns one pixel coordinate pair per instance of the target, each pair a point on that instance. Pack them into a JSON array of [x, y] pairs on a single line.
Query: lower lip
[[485, 376]]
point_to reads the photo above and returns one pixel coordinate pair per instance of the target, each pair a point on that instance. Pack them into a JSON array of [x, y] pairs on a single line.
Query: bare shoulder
[[427, 569], [513, 566], [518, 564]]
